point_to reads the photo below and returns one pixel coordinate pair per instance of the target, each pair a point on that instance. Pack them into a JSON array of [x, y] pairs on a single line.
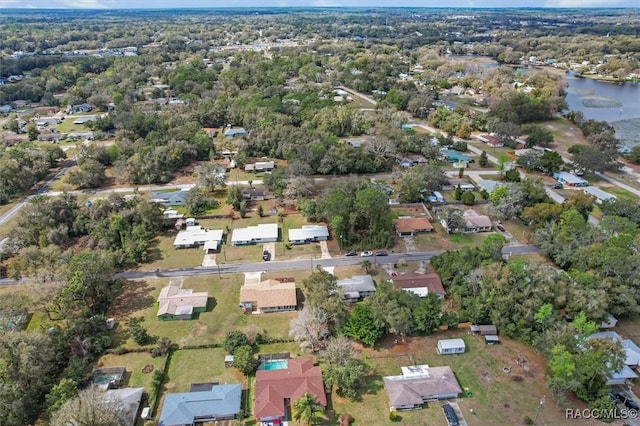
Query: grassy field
[[134, 363], [210, 368], [138, 299], [497, 397]]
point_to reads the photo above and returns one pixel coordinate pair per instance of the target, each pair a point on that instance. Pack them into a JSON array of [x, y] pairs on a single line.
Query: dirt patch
[[147, 368], [135, 297]]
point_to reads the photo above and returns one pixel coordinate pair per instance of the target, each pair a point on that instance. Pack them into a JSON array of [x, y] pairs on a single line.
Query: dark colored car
[[450, 414], [500, 228], [557, 186], [351, 253], [266, 255], [382, 253], [628, 401]]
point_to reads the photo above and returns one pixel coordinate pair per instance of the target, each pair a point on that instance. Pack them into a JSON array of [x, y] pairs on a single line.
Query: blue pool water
[[276, 364]]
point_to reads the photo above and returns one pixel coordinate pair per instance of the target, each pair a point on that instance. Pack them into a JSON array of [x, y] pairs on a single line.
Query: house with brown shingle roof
[[409, 226], [420, 284], [277, 390], [419, 384], [275, 295], [175, 303]]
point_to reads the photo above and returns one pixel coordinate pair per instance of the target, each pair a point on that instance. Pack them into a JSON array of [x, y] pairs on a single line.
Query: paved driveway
[[271, 247]]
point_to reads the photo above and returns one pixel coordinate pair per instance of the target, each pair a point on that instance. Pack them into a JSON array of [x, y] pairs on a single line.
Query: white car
[[366, 254]]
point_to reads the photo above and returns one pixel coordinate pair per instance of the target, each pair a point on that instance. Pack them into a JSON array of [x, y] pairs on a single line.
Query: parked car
[[450, 415], [500, 228], [382, 253], [557, 186], [628, 401], [366, 254], [266, 255], [351, 253]]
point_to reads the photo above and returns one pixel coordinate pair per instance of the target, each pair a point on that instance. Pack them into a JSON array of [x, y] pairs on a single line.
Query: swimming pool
[[274, 364]]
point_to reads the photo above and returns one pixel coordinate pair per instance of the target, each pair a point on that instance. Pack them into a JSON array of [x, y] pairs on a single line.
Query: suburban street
[[289, 265]]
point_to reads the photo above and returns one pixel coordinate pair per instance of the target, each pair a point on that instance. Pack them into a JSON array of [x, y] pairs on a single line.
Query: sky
[[162, 4]]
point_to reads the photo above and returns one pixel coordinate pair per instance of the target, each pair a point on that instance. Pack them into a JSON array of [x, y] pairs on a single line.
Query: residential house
[[419, 384], [308, 234], [356, 142], [235, 132], [410, 226], [570, 179], [175, 303], [475, 222], [5, 109], [196, 236], [357, 287], [599, 194], [420, 284], [453, 156], [172, 198], [129, 399], [410, 160], [451, 346], [435, 197], [489, 185], [631, 350], [491, 141], [452, 184], [275, 295], [85, 107], [631, 361], [260, 166], [256, 194], [209, 403], [262, 233], [277, 390], [51, 137], [171, 214]]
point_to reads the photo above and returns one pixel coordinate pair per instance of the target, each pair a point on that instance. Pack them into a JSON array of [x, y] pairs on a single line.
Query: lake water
[[619, 104]]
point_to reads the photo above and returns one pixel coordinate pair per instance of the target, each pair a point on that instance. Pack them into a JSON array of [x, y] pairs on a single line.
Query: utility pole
[[538, 409]]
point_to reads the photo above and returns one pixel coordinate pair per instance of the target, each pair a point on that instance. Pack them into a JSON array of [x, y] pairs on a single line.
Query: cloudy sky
[[159, 4]]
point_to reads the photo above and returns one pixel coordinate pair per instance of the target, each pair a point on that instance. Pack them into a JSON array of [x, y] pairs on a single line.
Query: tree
[[512, 175], [531, 160], [427, 315], [457, 194], [234, 340], [32, 131], [91, 407], [484, 159], [244, 360], [467, 198], [306, 409], [634, 155], [339, 351], [363, 325], [234, 197], [322, 292], [537, 136], [90, 174], [198, 200], [277, 182], [60, 393], [138, 332], [453, 218], [591, 158], [210, 177], [418, 180], [366, 264], [310, 327], [550, 162], [347, 377], [260, 211]]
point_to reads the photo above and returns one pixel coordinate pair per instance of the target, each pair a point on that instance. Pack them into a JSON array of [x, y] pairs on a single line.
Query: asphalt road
[[288, 265]]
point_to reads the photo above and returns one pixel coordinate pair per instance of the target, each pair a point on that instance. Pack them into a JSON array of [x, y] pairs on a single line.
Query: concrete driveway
[[271, 248]]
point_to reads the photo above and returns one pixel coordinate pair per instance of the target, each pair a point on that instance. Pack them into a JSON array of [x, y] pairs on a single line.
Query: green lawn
[[622, 193], [199, 366], [67, 126], [496, 397], [133, 363], [139, 299]]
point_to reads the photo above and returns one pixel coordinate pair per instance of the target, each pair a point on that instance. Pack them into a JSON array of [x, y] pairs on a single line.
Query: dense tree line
[[23, 165]]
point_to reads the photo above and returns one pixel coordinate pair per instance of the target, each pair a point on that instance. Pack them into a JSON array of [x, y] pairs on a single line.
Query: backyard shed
[[451, 346]]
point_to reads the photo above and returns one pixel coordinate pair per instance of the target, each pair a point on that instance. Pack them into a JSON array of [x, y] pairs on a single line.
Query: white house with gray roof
[[357, 287], [262, 233]]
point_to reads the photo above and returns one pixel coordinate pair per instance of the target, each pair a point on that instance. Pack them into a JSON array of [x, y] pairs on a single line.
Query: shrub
[[528, 420]]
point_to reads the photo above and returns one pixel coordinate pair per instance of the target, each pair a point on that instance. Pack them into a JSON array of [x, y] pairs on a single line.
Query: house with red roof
[[277, 389], [420, 284]]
